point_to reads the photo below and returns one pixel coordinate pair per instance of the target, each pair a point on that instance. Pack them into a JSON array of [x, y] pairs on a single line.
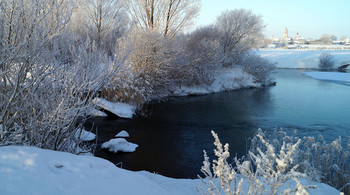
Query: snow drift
[[30, 170], [119, 144]]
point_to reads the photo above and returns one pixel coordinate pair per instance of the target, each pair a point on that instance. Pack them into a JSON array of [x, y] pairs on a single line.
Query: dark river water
[[173, 136]]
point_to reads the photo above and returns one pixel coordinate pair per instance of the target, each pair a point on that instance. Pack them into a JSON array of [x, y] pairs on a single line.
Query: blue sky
[[309, 18]]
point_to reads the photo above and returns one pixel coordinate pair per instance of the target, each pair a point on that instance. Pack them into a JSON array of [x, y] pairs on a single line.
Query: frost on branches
[[267, 172], [320, 161], [221, 170]]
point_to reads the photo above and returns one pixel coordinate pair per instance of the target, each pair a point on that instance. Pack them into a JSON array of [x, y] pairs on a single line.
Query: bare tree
[[165, 16], [333, 37], [325, 39], [103, 15], [145, 13], [102, 21], [179, 14], [240, 30]]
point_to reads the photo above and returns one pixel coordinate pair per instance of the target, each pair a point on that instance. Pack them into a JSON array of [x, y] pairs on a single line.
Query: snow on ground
[[119, 144], [122, 110], [302, 58], [224, 80], [123, 133], [95, 112], [317, 46], [330, 76], [30, 170], [84, 135]]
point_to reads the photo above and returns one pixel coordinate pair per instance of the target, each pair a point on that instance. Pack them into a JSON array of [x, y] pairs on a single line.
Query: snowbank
[[301, 58], [120, 109], [224, 80], [84, 135], [30, 170], [123, 133], [329, 76], [119, 144], [95, 112]]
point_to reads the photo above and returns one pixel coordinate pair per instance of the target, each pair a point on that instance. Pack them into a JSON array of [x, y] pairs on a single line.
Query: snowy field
[[30, 170], [302, 58]]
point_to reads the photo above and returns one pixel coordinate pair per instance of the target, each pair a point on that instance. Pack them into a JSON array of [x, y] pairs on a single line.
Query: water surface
[[171, 139]]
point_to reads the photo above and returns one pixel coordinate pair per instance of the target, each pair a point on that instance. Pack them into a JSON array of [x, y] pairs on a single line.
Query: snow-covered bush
[[54, 97], [276, 169], [320, 161], [48, 75], [156, 65], [200, 55], [259, 67], [326, 61], [220, 177], [267, 172], [149, 64]]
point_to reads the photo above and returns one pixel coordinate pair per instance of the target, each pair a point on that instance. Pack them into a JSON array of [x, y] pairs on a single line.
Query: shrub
[[272, 173], [53, 99], [320, 161], [260, 68], [201, 54], [149, 68], [326, 61]]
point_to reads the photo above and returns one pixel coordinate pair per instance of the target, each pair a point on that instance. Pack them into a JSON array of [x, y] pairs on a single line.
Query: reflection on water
[[171, 139]]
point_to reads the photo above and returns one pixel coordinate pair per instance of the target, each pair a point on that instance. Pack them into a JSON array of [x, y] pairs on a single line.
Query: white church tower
[[285, 35]]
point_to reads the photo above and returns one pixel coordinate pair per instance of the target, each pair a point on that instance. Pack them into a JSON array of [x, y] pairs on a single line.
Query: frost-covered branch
[[267, 172]]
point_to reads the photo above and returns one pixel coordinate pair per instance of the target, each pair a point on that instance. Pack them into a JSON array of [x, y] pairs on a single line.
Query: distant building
[[286, 39], [285, 35], [297, 36], [287, 42], [347, 42], [299, 40]]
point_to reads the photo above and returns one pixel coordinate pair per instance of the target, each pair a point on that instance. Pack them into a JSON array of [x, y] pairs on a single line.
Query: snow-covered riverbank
[[302, 58], [226, 79], [30, 170]]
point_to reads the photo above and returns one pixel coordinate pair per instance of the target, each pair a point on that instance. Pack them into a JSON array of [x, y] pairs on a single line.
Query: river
[[175, 132]]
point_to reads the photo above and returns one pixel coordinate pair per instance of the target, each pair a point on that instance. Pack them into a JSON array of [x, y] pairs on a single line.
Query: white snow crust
[[120, 109], [119, 144], [30, 170], [123, 133], [329, 76]]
